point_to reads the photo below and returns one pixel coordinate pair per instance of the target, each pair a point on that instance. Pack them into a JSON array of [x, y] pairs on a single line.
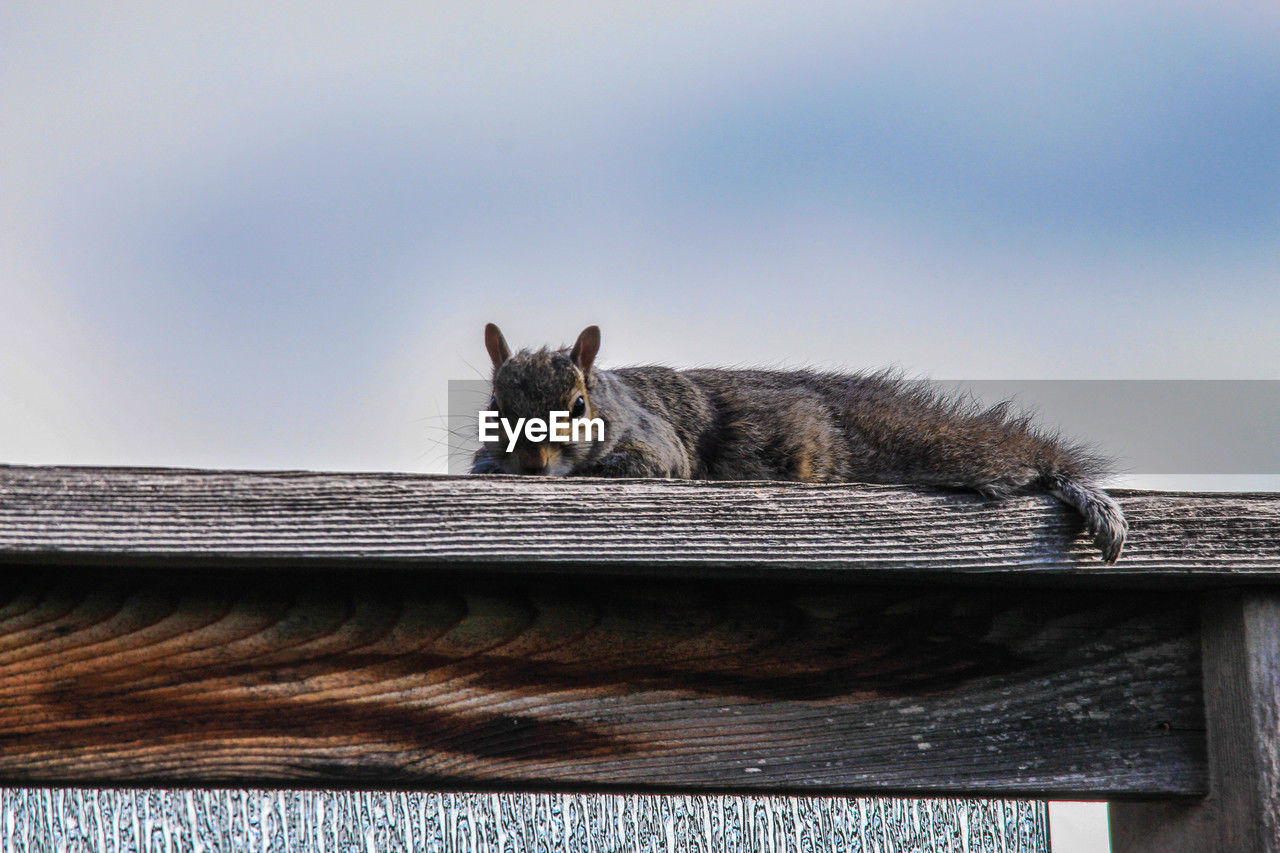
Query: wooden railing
[[205, 628]]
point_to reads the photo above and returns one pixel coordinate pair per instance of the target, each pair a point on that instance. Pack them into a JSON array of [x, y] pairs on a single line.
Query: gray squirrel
[[801, 425]]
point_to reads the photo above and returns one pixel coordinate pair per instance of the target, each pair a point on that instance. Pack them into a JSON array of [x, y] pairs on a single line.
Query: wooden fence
[[373, 630]]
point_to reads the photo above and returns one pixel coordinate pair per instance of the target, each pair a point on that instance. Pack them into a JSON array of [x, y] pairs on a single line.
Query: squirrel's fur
[[800, 425]]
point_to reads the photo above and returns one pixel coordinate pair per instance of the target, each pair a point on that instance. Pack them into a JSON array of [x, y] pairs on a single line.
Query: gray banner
[[1149, 426]]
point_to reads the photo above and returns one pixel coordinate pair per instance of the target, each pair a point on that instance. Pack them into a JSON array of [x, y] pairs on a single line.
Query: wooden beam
[[1241, 651], [197, 627], [473, 681], [646, 527]]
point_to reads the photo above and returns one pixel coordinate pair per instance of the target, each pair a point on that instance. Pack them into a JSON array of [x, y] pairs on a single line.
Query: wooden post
[[1241, 661]]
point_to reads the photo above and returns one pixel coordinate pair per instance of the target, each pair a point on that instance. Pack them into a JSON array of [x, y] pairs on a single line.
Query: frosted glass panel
[[238, 820]]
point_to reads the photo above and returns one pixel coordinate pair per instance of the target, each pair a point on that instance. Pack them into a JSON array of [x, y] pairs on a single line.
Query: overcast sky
[[267, 235]]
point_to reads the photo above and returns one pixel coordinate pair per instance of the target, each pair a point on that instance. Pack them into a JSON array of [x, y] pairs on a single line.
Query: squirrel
[[800, 425]]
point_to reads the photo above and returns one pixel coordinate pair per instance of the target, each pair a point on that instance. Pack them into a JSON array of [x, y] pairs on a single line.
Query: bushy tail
[[910, 432], [1102, 515]]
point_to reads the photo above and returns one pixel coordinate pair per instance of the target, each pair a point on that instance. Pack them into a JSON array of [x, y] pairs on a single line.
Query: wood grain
[[592, 527], [464, 681], [1241, 653]]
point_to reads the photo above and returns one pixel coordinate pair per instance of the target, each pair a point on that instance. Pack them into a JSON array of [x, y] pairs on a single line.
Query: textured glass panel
[[234, 820]]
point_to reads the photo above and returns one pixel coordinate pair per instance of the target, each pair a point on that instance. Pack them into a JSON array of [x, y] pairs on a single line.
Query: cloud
[[1099, 123]]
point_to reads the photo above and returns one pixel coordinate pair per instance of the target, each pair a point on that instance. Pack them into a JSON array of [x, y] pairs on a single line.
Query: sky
[[268, 235]]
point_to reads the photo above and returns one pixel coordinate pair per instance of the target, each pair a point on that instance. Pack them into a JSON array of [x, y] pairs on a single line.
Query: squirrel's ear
[[496, 344], [584, 351]]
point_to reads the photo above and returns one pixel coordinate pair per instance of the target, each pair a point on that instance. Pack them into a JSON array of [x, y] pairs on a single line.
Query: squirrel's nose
[[534, 460]]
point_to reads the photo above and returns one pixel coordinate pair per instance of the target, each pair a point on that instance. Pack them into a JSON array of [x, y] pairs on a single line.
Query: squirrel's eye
[[579, 407]]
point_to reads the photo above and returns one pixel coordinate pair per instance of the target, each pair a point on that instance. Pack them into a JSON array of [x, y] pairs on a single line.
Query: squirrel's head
[[532, 385]]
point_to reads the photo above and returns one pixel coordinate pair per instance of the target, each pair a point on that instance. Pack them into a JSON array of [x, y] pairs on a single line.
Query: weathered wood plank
[[1241, 654], [468, 680], [621, 526]]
